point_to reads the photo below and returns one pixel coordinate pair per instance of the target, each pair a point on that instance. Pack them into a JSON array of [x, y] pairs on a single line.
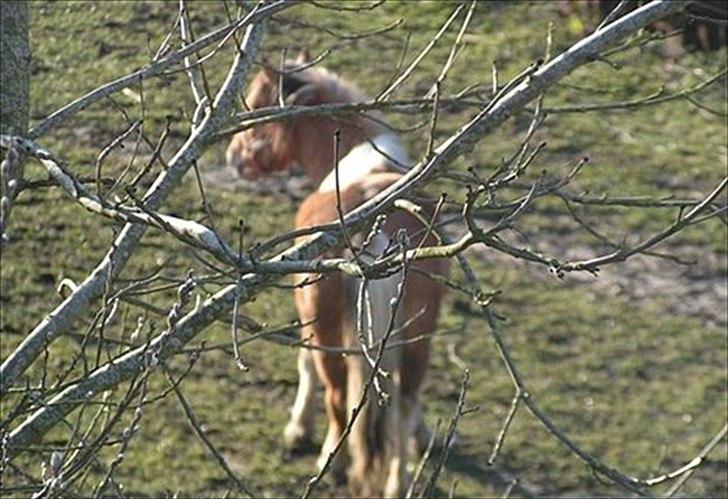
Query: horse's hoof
[[297, 440], [339, 476]]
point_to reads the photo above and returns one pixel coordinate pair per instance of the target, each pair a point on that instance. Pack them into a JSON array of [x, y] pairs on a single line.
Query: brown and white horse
[[382, 435]]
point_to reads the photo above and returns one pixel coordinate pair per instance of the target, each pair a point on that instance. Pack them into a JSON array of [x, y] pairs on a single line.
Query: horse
[[370, 160]]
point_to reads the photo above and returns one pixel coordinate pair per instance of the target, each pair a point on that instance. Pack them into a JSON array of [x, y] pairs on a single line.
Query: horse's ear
[[306, 95], [304, 57]]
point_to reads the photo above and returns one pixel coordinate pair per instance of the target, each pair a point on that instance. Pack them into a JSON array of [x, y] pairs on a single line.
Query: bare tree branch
[[189, 326], [58, 320]]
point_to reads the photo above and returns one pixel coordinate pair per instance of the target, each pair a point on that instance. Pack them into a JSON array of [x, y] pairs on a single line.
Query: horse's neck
[[376, 155], [315, 136], [315, 143]]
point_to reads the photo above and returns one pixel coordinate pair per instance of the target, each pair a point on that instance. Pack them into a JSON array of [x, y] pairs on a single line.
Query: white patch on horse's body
[[380, 291], [375, 248], [365, 159]]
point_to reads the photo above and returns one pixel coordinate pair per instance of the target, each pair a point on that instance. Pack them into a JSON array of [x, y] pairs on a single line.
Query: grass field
[[630, 364]]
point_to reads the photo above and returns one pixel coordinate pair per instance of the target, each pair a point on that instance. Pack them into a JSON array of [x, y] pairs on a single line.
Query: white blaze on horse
[[382, 435]]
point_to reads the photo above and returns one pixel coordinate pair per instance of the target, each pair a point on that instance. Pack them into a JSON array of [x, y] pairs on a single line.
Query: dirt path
[[698, 289], [295, 187]]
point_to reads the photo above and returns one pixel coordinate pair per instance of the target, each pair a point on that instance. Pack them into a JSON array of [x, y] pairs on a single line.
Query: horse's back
[[320, 207]]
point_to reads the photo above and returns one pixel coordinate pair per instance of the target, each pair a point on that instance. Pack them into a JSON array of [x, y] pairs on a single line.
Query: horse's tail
[[375, 443]]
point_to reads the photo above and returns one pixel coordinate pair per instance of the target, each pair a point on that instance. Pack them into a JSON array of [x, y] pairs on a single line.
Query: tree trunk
[[14, 67], [14, 96]]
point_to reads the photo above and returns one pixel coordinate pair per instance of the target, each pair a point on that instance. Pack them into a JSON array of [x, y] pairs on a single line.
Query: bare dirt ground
[[294, 187], [697, 288]]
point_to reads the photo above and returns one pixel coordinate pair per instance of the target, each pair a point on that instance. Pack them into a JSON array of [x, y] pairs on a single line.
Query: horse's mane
[[340, 90], [335, 88]]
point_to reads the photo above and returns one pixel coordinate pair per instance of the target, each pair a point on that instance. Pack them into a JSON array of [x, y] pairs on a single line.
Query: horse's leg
[[332, 370], [421, 308], [321, 307], [398, 443], [300, 428], [416, 427]]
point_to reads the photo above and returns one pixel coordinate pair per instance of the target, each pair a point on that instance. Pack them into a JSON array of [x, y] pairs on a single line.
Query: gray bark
[[14, 67], [14, 96]]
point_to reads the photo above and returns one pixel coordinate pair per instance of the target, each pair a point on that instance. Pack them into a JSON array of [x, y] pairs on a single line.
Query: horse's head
[[271, 147]]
